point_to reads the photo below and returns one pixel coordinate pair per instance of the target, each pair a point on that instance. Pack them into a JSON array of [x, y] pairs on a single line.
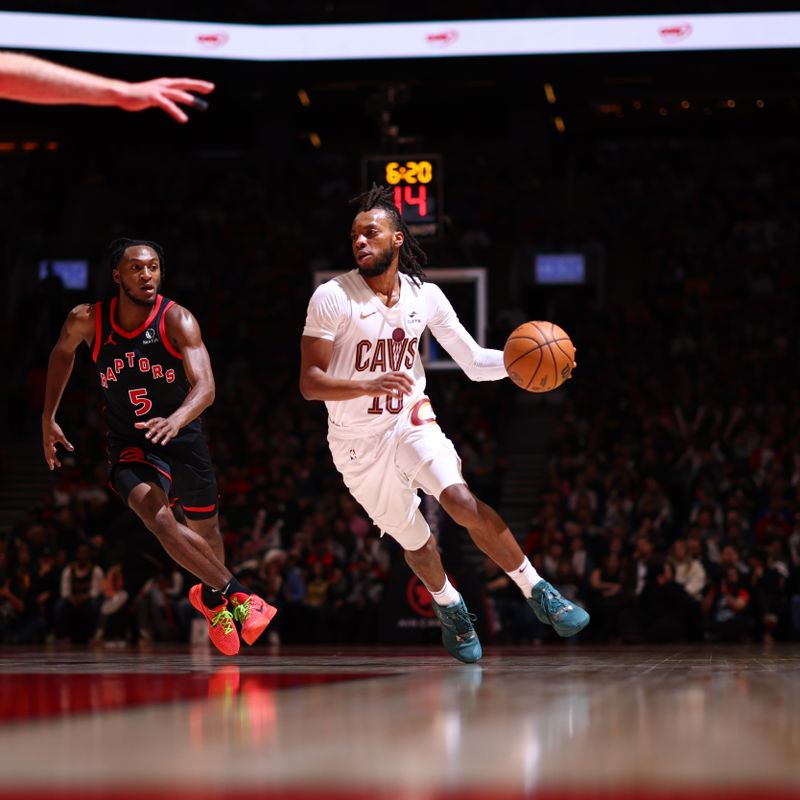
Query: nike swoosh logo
[[364, 316]]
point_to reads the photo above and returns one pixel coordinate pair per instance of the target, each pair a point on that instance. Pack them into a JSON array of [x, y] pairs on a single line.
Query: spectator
[[112, 624], [689, 571], [664, 605], [11, 603], [640, 564], [690, 575], [157, 607], [767, 586], [44, 592], [728, 606], [81, 587], [607, 598]]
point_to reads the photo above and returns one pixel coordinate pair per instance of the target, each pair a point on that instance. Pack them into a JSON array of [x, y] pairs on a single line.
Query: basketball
[[538, 356]]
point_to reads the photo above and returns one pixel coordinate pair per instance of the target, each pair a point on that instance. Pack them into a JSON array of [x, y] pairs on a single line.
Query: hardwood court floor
[[334, 723]]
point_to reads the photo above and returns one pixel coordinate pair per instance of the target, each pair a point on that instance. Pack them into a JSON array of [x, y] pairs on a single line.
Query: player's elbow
[[204, 394], [305, 389], [472, 372], [61, 352], [310, 384]]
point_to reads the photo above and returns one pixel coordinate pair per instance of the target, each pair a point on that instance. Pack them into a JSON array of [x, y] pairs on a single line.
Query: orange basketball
[[538, 356]]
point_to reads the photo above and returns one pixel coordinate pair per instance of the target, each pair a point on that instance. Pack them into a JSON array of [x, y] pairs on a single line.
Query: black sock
[[211, 597], [234, 587]]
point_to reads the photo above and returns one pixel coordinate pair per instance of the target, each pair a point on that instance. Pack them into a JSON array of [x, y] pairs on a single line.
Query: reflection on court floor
[[566, 722]]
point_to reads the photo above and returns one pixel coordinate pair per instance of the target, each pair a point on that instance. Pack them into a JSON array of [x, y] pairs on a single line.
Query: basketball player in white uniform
[[360, 354]]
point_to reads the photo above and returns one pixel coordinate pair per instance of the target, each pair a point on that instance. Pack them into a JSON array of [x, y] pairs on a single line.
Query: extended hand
[[392, 383], [52, 435], [159, 429], [165, 93]]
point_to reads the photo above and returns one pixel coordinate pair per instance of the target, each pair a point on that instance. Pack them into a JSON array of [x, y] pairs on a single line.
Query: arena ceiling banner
[[399, 40]]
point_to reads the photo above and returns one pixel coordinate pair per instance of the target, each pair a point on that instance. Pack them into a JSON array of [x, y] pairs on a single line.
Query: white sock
[[525, 576], [447, 595]]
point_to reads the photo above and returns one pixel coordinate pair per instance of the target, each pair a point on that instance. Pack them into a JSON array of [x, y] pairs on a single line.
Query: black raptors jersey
[[141, 373]]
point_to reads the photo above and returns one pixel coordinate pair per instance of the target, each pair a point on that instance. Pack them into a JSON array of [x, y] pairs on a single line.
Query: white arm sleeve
[[479, 363], [327, 309]]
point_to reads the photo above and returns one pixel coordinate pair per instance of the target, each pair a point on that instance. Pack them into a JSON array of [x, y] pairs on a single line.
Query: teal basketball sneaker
[[553, 609], [458, 632]]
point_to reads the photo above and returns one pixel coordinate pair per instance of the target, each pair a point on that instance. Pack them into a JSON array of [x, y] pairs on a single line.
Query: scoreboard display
[[417, 184]]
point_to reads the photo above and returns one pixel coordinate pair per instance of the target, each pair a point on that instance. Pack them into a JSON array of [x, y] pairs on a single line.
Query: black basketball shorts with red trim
[[182, 468]]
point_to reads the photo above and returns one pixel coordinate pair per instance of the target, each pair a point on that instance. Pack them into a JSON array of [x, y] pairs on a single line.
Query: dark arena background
[[641, 194]]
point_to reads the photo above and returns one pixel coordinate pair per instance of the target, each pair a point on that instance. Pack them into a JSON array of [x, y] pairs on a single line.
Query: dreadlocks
[[412, 257], [118, 247]]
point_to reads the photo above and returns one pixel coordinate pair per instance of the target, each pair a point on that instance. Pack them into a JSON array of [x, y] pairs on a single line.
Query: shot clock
[[417, 184]]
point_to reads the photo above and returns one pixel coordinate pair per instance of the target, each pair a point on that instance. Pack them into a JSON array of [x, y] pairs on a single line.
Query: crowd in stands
[[671, 506]]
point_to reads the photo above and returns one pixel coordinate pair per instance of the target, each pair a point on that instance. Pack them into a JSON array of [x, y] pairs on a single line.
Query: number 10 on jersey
[[394, 405]]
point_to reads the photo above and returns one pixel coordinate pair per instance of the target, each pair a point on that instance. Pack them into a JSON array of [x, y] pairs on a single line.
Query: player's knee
[[462, 505], [158, 519], [422, 553], [212, 535], [151, 506]]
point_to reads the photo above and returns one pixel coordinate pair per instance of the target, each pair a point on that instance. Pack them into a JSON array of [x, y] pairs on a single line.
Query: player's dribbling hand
[[159, 429], [393, 383], [51, 436]]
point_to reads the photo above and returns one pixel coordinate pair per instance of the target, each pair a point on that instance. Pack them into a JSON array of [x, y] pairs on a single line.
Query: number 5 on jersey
[[139, 398]]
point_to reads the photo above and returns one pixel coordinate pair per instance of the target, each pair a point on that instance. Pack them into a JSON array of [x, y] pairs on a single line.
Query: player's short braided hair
[[118, 247], [412, 257]]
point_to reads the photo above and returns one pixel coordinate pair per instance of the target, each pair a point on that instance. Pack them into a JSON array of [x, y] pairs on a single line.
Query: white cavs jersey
[[369, 338]]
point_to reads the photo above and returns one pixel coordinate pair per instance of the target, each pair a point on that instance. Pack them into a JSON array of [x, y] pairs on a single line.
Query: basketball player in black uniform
[[156, 378]]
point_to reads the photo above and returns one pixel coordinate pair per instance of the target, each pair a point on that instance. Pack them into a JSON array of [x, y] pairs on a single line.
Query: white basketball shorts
[[383, 471]]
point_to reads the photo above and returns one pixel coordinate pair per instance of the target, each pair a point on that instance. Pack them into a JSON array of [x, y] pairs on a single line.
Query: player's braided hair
[[412, 257], [118, 247]]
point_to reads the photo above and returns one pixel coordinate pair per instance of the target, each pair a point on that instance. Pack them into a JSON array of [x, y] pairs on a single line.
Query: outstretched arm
[[478, 363], [34, 80], [316, 384], [184, 335], [79, 327]]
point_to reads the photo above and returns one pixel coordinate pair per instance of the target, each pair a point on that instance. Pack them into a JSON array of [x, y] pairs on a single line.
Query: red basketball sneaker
[[220, 622], [253, 613]]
